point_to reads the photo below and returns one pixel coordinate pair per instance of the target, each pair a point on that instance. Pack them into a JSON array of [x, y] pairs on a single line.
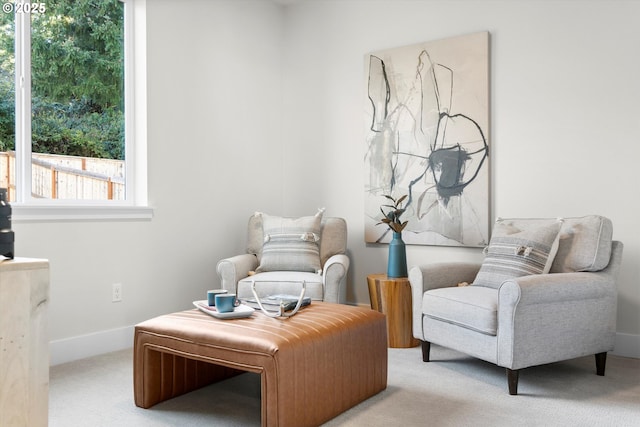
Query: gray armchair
[[328, 283], [528, 320]]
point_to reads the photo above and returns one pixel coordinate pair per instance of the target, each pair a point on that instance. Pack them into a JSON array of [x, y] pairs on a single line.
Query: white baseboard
[[627, 345], [80, 347]]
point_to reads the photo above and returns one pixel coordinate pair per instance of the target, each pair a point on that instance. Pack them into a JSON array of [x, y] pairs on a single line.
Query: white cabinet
[[24, 342]]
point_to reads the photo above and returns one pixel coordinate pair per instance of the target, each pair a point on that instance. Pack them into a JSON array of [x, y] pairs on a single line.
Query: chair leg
[[426, 347], [601, 361], [512, 380]]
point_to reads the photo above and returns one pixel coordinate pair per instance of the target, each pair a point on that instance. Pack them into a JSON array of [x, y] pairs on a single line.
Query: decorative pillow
[[584, 242], [255, 236], [514, 253], [291, 244]]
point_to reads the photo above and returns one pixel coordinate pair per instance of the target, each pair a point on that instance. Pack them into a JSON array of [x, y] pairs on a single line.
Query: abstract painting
[[427, 130]]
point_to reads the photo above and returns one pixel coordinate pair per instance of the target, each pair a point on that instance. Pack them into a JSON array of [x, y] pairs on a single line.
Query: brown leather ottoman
[[313, 366]]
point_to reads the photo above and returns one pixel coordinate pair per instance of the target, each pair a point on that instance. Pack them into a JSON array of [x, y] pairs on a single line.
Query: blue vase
[[397, 263]]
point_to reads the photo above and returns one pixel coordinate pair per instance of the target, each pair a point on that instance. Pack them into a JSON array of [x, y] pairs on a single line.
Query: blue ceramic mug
[[225, 303], [211, 295]]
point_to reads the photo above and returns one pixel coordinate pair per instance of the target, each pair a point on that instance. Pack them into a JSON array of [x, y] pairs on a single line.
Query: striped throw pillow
[[291, 244], [514, 253]]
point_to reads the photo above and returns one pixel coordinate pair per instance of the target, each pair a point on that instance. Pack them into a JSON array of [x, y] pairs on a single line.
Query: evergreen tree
[[77, 51], [77, 78]]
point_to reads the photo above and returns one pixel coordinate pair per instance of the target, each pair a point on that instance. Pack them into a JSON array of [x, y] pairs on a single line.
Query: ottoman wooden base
[[313, 366]]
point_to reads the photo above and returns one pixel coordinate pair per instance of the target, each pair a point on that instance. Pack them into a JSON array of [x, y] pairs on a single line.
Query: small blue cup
[[225, 303], [211, 295]]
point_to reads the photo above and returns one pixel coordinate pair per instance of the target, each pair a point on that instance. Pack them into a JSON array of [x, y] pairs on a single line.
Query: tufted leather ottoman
[[313, 366]]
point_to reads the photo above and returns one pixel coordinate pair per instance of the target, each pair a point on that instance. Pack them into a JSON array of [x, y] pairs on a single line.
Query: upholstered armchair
[[545, 292], [283, 252]]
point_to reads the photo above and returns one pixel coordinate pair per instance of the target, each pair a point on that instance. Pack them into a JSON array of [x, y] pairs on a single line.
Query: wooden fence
[[67, 177]]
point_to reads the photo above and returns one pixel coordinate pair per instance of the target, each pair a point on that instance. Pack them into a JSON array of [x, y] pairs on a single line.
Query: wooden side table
[[392, 297]]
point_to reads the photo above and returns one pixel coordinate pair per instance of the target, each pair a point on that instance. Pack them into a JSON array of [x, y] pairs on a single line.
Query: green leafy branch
[[392, 216]]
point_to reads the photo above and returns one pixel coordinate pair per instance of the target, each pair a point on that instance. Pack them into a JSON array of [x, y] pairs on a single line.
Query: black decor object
[[7, 236]]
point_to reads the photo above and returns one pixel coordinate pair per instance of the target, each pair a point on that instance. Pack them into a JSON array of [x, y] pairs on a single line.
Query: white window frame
[[26, 208]]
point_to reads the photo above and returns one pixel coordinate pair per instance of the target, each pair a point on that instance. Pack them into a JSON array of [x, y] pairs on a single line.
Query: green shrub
[[77, 129]]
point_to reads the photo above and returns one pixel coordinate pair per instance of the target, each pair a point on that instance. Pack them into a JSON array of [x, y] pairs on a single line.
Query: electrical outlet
[[116, 292]]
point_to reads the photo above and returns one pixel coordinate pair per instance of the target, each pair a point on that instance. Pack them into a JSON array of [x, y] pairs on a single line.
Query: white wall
[[214, 121], [565, 133], [267, 103]]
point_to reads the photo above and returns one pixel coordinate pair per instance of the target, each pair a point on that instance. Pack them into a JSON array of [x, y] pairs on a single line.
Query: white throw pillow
[[291, 244], [513, 252]]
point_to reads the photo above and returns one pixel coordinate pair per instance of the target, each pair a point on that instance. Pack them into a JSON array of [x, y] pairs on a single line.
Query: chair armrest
[[432, 276], [233, 269], [334, 274], [550, 317], [556, 288]]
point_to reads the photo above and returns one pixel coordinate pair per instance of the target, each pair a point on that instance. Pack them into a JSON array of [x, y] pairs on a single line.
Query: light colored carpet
[[452, 390]]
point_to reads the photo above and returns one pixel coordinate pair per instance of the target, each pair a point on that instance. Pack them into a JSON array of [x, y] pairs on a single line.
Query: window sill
[[22, 213]]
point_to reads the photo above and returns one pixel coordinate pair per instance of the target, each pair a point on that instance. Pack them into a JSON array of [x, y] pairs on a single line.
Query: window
[[73, 141]]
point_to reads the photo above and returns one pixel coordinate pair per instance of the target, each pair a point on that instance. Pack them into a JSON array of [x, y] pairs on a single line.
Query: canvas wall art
[[427, 135]]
